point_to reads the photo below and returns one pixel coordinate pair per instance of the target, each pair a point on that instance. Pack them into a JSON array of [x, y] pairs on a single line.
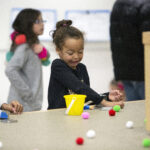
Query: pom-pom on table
[[129, 124], [1, 144], [91, 134], [116, 108], [146, 142], [112, 112], [79, 140], [85, 115], [53, 130]]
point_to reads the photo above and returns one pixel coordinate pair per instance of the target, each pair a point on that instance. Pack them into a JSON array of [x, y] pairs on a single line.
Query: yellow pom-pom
[[43, 59]]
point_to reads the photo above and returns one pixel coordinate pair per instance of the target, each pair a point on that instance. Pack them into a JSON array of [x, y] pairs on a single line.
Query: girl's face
[[38, 26], [72, 52]]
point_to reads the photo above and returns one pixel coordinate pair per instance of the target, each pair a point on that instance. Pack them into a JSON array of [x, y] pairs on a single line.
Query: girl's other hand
[[37, 48], [14, 107], [17, 107], [111, 104]]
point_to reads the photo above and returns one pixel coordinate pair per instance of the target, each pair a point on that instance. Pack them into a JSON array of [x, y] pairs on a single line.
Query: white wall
[[59, 5], [97, 55]]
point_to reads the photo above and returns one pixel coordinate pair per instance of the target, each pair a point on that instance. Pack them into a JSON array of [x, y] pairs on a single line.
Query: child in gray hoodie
[[25, 59]]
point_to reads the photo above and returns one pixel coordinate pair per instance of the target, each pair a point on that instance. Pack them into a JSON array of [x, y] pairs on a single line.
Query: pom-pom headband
[[20, 39]]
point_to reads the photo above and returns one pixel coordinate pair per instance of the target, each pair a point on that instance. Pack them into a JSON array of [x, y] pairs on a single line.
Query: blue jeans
[[135, 90]]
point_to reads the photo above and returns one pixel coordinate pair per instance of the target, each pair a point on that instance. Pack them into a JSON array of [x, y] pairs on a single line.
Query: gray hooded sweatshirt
[[24, 71]]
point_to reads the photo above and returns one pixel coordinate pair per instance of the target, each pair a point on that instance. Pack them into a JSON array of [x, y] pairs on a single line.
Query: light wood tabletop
[[53, 130]]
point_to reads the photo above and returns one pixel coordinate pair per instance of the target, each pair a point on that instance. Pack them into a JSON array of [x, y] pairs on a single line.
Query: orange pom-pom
[[20, 39]]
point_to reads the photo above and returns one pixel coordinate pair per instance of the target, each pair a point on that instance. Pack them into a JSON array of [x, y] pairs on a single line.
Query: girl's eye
[[40, 21], [70, 53], [80, 52]]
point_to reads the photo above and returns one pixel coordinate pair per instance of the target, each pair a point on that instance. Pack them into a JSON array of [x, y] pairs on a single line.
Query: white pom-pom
[[129, 124], [91, 134], [1, 144]]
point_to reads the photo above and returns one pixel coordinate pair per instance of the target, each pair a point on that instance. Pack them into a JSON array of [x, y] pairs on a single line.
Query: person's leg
[[129, 90], [140, 90]]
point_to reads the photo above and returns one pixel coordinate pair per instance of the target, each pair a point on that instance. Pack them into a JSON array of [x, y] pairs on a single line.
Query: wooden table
[[53, 130]]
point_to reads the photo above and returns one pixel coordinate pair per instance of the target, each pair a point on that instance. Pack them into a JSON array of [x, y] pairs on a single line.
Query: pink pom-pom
[[13, 34], [121, 87], [85, 115], [43, 53]]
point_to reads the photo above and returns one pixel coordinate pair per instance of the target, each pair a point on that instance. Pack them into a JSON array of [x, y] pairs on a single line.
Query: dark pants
[[134, 90]]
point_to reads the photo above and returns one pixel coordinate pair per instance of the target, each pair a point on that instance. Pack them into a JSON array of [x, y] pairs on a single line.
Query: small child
[[25, 59], [117, 85], [68, 75]]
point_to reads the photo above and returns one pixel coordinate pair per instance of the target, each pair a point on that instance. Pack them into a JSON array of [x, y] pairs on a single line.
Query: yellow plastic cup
[[75, 104]]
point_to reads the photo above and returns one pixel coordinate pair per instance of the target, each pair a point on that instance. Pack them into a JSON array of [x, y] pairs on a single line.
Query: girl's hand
[[14, 107], [17, 107], [37, 48], [111, 104], [116, 95]]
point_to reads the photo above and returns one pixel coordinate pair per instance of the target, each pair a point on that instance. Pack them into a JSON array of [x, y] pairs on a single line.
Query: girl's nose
[[76, 55]]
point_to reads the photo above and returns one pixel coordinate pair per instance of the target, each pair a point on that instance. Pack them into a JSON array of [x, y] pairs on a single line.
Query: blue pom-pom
[[86, 107], [3, 115], [45, 62], [9, 55]]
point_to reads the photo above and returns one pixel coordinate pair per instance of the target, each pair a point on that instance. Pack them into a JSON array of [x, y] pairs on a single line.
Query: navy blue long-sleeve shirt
[[64, 79]]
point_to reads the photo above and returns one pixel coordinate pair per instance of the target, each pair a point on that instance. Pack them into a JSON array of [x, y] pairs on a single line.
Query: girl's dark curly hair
[[63, 31]]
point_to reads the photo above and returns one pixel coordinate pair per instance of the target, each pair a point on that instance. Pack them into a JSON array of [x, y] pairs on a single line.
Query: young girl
[[25, 58], [68, 75]]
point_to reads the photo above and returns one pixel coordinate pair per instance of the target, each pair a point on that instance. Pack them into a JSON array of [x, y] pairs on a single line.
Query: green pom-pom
[[146, 142], [45, 62], [9, 55], [116, 108], [145, 120]]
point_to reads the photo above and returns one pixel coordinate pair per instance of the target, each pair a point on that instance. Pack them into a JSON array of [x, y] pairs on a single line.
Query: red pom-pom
[[20, 39], [79, 140], [112, 112]]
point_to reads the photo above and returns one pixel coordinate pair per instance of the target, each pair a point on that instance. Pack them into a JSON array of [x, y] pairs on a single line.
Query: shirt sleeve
[[13, 72], [63, 74]]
